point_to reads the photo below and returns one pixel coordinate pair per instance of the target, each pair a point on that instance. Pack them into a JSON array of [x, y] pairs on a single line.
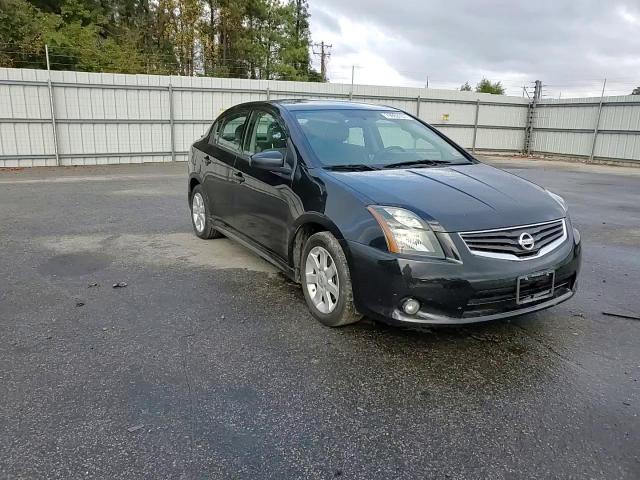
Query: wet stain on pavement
[[74, 264]]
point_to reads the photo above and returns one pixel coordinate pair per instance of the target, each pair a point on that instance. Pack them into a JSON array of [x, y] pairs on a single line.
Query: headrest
[[333, 131], [239, 132], [274, 133]]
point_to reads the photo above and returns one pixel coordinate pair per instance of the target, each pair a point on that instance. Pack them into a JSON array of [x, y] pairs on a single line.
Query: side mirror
[[269, 160]]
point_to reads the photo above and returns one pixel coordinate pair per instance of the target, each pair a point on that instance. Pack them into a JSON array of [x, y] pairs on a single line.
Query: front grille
[[505, 243]]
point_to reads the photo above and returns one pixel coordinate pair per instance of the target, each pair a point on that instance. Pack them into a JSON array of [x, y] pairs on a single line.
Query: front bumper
[[474, 290]]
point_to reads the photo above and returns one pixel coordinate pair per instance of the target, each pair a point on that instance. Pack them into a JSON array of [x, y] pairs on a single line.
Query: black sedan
[[376, 213]]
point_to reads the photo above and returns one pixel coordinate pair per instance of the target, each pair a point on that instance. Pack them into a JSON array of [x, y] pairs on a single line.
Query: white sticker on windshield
[[396, 115]]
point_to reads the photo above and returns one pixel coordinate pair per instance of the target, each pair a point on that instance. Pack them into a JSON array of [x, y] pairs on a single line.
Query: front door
[[265, 203], [219, 156]]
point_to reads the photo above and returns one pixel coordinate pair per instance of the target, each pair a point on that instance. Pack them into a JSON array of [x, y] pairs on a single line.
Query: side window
[[231, 131], [267, 134], [213, 133]]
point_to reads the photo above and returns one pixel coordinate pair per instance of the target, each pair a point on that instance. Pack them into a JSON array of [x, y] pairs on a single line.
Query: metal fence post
[[475, 127], [171, 124], [595, 130], [418, 106], [268, 94], [528, 135], [52, 106]]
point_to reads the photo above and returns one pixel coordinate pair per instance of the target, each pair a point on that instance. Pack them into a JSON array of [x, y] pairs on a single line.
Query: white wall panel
[[500, 139], [462, 136], [116, 118], [618, 146], [563, 143], [568, 128]]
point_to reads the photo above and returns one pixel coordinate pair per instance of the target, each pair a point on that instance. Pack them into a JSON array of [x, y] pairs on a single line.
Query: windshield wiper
[[417, 162], [351, 167]]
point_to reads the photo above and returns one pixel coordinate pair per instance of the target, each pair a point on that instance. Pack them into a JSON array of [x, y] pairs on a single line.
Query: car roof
[[303, 104]]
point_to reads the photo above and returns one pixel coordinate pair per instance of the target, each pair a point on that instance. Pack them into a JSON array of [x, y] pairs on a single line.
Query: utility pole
[[324, 56], [537, 93], [353, 73]]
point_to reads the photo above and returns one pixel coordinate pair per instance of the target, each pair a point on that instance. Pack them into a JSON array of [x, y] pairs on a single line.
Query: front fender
[[309, 218]]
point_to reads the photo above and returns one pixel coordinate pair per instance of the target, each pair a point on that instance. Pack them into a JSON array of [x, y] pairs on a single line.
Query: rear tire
[[200, 215], [326, 281]]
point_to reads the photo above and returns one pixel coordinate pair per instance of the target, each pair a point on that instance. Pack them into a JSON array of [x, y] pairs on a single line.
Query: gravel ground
[[208, 365]]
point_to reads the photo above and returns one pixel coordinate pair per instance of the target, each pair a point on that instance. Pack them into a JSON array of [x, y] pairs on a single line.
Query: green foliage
[[22, 34], [486, 86], [636, 91], [76, 39], [466, 87], [265, 39]]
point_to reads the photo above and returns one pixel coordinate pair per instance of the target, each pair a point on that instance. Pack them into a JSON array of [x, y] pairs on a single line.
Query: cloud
[[325, 20], [571, 46], [628, 15]]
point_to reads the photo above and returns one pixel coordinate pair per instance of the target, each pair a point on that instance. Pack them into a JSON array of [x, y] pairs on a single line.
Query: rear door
[[219, 156], [265, 203]]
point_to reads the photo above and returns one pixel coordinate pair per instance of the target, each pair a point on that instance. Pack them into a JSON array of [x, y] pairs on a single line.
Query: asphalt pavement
[[207, 363]]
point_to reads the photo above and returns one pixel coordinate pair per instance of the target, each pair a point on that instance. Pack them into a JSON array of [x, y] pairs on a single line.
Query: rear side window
[[231, 131], [213, 133]]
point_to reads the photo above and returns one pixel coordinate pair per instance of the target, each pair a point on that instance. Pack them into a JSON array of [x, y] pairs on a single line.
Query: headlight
[[405, 232], [558, 199]]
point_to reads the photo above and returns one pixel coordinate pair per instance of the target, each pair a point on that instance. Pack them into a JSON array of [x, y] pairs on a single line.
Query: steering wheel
[[392, 148]]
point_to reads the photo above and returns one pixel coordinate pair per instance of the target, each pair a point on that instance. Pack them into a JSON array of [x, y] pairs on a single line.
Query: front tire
[[200, 218], [326, 281]]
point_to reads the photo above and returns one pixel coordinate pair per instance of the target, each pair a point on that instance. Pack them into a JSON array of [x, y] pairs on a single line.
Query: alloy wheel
[[321, 277], [198, 212]]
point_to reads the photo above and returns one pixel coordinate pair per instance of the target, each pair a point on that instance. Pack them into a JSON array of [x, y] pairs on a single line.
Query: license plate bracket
[[535, 286]]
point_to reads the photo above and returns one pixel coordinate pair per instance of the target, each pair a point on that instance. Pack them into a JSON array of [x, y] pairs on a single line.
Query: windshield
[[370, 139]]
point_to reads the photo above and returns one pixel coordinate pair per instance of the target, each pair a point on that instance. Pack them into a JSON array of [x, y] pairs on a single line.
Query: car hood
[[458, 198]]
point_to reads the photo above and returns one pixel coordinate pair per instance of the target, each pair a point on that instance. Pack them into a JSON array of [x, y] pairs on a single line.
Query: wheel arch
[[303, 228], [193, 182]]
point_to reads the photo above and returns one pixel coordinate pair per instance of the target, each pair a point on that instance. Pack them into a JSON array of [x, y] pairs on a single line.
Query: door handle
[[239, 177], [207, 160]]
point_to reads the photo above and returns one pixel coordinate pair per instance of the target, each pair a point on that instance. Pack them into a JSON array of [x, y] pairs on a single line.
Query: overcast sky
[[571, 45]]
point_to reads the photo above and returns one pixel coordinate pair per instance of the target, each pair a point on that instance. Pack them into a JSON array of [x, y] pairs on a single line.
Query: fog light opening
[[410, 306]]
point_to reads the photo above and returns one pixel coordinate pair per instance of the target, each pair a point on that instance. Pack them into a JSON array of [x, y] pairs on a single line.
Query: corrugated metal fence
[[113, 118], [569, 127]]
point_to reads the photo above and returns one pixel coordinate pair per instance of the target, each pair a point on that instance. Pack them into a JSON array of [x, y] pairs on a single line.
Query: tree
[[23, 29], [636, 91], [297, 39], [486, 86], [466, 87], [262, 39]]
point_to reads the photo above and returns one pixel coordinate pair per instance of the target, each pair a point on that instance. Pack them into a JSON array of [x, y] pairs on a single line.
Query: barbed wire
[[90, 59], [68, 57]]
